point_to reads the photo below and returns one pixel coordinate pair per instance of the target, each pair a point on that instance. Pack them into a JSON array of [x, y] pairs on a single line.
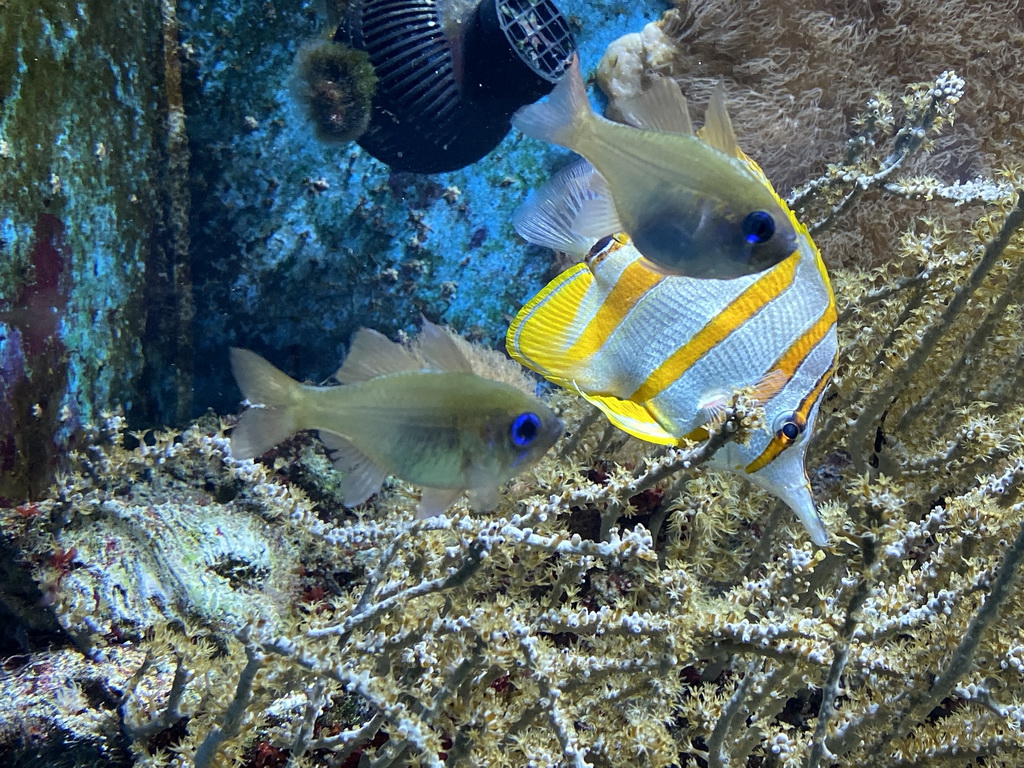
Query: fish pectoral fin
[[597, 216], [662, 107], [547, 216], [713, 407], [434, 501], [372, 354], [717, 131], [768, 386], [361, 476]]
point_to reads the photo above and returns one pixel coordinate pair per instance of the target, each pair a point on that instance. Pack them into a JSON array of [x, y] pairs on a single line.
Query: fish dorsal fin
[[597, 216], [717, 130], [439, 351], [662, 107], [548, 215], [562, 332], [372, 354], [361, 477]]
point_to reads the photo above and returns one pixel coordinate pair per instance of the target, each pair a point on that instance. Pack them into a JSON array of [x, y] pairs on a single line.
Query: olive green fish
[[417, 412], [691, 203]]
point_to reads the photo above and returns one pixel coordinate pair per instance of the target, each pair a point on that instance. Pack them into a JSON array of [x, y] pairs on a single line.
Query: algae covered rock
[[171, 531], [86, 233]]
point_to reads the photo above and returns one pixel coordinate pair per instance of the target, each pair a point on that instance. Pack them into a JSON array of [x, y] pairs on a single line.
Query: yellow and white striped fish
[[661, 354]]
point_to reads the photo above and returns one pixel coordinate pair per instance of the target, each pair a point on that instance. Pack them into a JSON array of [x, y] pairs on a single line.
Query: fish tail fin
[[260, 429], [556, 120]]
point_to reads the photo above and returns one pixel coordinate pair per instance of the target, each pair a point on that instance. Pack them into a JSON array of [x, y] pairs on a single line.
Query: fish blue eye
[[525, 429], [758, 227], [789, 426]]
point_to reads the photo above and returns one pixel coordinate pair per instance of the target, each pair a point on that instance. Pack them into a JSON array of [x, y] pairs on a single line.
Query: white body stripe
[[750, 351]]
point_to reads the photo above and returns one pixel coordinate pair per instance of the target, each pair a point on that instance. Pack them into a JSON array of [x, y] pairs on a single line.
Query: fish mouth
[[557, 429]]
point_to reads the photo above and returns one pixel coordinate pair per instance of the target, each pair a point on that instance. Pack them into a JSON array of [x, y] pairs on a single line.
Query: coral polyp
[[336, 84]]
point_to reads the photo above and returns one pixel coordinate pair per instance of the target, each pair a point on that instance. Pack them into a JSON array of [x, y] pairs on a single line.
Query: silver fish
[[693, 205], [419, 413]]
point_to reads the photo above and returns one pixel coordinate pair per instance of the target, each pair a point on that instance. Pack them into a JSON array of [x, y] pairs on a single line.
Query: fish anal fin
[[434, 501], [632, 418], [372, 354], [597, 216], [662, 107], [717, 130], [361, 477]]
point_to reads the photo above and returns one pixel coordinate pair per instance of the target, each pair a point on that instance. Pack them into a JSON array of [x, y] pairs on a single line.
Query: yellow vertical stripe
[[758, 294], [633, 284], [794, 355], [778, 444]]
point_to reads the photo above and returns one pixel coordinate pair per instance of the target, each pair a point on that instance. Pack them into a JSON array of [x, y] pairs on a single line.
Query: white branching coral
[[622, 607]]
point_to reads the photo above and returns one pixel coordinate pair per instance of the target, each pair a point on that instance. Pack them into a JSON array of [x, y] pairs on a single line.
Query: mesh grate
[[540, 33]]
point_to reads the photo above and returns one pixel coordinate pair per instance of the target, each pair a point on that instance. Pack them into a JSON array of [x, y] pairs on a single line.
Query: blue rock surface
[[81, 203], [296, 244]]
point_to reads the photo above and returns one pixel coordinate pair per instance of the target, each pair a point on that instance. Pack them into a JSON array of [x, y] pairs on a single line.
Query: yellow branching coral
[[797, 73]]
